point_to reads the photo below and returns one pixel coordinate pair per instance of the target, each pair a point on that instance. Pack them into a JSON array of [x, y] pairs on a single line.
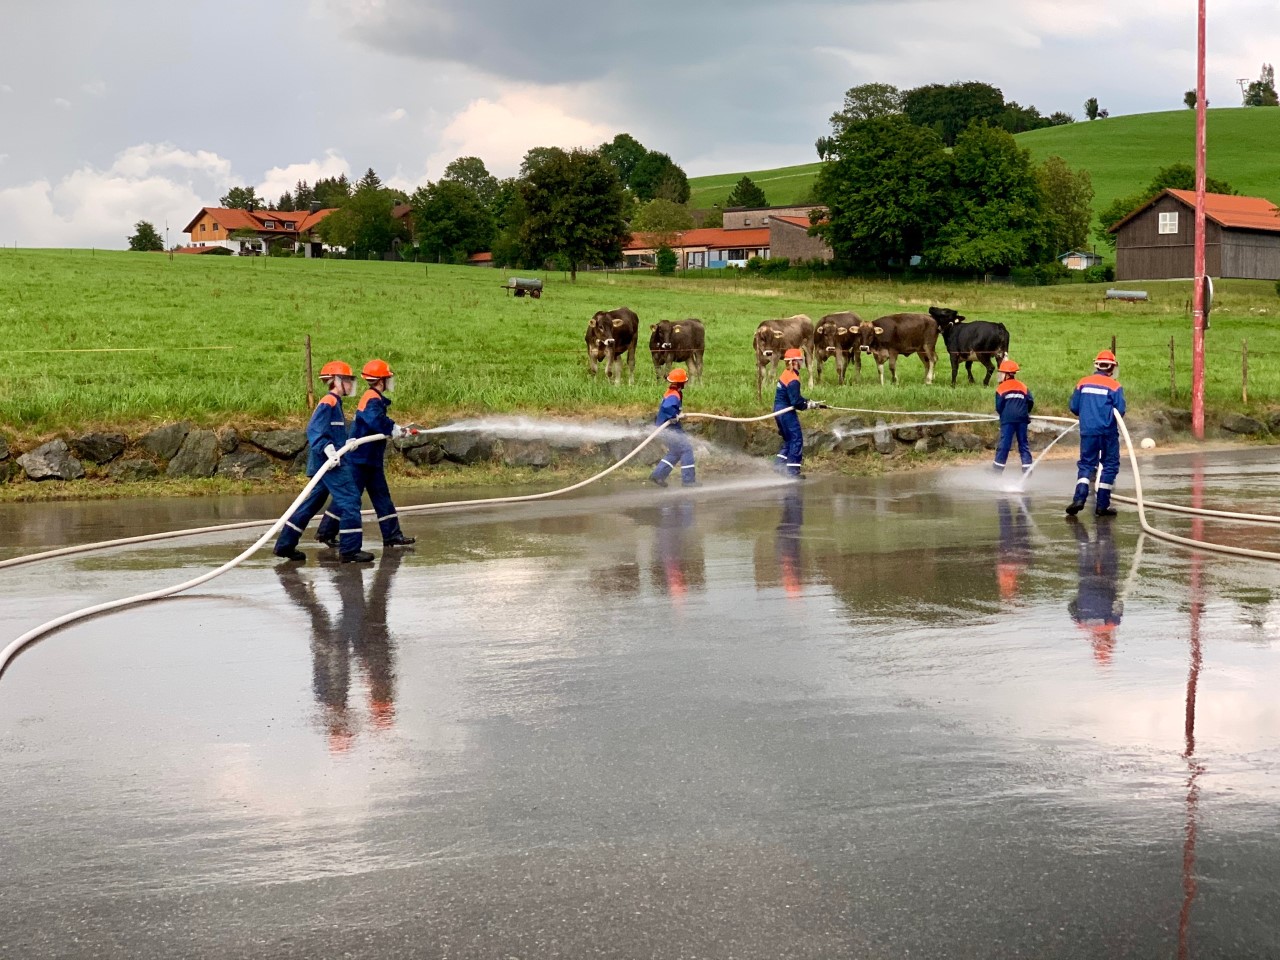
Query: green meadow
[[130, 339], [1122, 154]]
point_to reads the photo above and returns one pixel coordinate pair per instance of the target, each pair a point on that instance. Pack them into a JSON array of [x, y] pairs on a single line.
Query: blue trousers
[[1098, 448], [369, 478], [791, 456], [679, 451], [1008, 432], [339, 484]]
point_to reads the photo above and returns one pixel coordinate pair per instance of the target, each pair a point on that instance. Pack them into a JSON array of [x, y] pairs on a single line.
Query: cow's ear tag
[[878, 330], [844, 330], [675, 329], [653, 326]]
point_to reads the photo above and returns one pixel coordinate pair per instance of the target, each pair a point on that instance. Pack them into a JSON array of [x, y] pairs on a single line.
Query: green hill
[[1120, 153]]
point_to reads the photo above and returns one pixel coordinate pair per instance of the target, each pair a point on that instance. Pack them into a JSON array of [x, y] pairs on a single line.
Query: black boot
[[357, 556], [330, 542], [1104, 512], [659, 481], [1074, 507], [400, 540], [297, 556]]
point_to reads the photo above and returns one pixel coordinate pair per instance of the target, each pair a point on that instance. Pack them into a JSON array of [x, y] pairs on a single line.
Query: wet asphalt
[[911, 716]]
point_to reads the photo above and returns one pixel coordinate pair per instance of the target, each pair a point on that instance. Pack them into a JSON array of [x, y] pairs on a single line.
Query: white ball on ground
[[1147, 443]]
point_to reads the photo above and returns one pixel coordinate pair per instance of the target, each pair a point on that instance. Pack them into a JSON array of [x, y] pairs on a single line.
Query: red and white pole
[[1198, 294]]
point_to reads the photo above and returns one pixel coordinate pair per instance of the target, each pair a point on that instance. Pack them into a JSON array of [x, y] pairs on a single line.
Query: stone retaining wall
[[182, 450]]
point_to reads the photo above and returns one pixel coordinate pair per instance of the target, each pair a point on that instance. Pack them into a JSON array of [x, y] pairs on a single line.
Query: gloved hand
[[819, 405], [680, 417], [331, 452], [398, 431]]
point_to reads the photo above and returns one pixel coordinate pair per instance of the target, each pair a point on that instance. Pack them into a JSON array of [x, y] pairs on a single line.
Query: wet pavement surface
[[900, 717]]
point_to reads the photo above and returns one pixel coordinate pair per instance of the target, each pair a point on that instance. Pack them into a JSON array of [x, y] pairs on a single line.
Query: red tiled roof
[[794, 221], [235, 219], [711, 237], [1226, 210], [483, 257]]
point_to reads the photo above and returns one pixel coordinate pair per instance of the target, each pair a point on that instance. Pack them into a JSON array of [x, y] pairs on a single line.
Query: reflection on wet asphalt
[[909, 716]]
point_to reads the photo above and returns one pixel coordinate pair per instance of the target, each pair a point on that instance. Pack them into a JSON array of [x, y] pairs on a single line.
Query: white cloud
[[399, 113], [61, 102], [95, 88], [146, 158], [5, 88], [501, 131], [3, 157], [279, 179]]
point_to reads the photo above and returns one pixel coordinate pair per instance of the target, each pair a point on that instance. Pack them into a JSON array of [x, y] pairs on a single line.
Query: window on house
[[215, 228], [202, 228], [269, 224], [288, 224], [746, 221], [1169, 222]]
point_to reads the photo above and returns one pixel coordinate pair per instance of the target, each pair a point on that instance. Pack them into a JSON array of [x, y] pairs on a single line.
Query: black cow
[[677, 341], [836, 337], [610, 334], [980, 340]]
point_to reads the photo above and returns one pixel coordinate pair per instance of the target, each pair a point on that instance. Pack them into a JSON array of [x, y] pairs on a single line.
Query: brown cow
[[677, 341], [610, 334], [836, 337], [900, 334], [774, 337]]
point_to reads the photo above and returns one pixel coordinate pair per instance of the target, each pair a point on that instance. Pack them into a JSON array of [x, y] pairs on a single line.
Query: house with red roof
[[763, 232], [1156, 241], [252, 232]]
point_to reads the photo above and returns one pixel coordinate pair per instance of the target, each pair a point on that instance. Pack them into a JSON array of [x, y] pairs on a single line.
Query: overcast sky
[[149, 109]]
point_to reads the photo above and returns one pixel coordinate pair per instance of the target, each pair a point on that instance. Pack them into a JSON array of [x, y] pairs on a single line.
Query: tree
[[285, 203], [666, 261], [574, 204], [364, 225], [145, 238], [746, 194], [712, 217], [510, 213], [623, 152], [998, 219], [1189, 99], [866, 102], [949, 109], [241, 198], [332, 191], [1262, 92], [303, 195], [1177, 176], [662, 218], [536, 156], [370, 181], [657, 175], [1091, 108], [1019, 119], [886, 183], [1060, 118], [451, 221], [471, 172], [1068, 199]]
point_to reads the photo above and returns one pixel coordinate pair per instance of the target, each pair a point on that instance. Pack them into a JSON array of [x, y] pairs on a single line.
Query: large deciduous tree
[[242, 198], [866, 102], [1068, 199], [885, 182], [363, 224], [1177, 176], [657, 175], [664, 219], [746, 194], [573, 208], [949, 109], [623, 152], [145, 237], [451, 221], [471, 172], [997, 218], [1262, 92]]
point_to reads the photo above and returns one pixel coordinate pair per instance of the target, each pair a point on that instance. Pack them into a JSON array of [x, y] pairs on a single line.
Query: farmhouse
[[763, 232], [1079, 259], [1156, 241], [255, 230]]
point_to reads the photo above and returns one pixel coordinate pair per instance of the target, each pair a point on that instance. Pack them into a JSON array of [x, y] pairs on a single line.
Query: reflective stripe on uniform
[[389, 516], [1096, 391], [331, 515], [1104, 486], [668, 463], [293, 526], [686, 466], [356, 530]]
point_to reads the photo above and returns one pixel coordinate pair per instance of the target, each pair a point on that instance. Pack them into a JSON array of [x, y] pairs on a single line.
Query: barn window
[[746, 222], [1169, 222], [202, 228]]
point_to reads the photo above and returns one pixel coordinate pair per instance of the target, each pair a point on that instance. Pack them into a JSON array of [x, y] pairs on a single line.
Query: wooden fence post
[[1244, 370], [1113, 343], [1173, 379], [311, 392]]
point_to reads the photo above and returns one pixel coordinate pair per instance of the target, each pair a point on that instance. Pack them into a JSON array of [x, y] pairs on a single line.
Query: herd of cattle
[[615, 334]]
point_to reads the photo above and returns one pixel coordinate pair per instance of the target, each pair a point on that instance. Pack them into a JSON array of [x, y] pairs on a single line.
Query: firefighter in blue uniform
[[791, 456], [1096, 400], [326, 432], [679, 449], [367, 460], [1014, 404]]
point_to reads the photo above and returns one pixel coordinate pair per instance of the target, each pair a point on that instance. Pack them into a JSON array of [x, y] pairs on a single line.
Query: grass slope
[[1121, 154], [128, 339]]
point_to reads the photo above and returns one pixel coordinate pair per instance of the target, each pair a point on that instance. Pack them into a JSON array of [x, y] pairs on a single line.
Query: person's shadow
[[1097, 608], [358, 635]]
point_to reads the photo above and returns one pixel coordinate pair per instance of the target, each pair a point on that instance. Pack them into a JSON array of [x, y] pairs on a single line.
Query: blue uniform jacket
[[788, 392], [669, 409], [1014, 402], [1093, 401], [371, 417], [328, 424]]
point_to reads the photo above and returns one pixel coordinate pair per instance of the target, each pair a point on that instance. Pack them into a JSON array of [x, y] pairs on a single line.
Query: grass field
[[126, 339], [1122, 154]]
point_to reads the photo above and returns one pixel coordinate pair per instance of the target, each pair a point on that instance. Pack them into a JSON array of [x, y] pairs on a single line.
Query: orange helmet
[[678, 375], [795, 353], [1008, 366], [376, 370], [335, 368], [1105, 357]]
